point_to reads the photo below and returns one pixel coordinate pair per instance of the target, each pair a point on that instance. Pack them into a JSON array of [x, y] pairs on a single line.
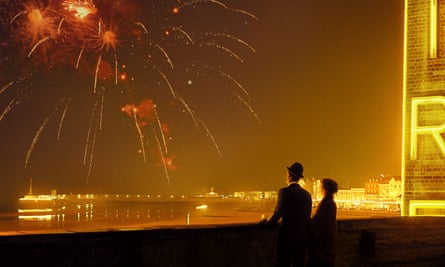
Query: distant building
[[255, 195], [350, 198], [212, 193], [379, 193], [383, 187], [391, 189], [316, 190], [372, 186], [382, 192]]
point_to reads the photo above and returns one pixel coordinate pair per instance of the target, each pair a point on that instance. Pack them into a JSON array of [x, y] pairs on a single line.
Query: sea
[[117, 212], [90, 213]]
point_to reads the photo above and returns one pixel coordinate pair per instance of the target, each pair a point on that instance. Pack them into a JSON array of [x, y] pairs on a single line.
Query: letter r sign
[[435, 130]]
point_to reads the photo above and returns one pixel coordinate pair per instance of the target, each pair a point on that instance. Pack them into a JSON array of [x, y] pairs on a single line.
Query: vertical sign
[[423, 155]]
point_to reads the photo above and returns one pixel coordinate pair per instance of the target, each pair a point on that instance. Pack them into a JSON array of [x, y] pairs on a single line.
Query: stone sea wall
[[401, 241]]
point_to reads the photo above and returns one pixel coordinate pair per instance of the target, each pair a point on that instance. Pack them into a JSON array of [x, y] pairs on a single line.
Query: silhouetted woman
[[324, 235]]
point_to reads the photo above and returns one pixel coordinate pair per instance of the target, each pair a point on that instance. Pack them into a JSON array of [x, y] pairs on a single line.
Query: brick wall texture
[[424, 176]]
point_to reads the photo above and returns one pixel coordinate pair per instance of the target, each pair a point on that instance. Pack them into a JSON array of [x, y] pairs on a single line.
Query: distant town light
[[201, 207]]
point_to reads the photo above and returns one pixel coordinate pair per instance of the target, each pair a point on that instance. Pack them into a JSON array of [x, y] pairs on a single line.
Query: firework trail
[[160, 129], [62, 118], [99, 60], [164, 163], [8, 108], [167, 57], [225, 75], [252, 111], [184, 33], [17, 15], [36, 45], [92, 130], [238, 85], [225, 49], [232, 37], [102, 104], [210, 135], [60, 26], [141, 136], [87, 142], [189, 111], [245, 13], [12, 103], [90, 165], [37, 135], [219, 3], [34, 141], [6, 87], [78, 58], [170, 87], [140, 24], [115, 69]]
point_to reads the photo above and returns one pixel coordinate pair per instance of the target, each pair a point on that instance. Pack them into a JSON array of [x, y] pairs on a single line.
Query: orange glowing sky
[[325, 80]]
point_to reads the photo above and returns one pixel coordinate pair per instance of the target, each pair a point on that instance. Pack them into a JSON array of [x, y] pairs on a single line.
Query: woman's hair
[[330, 186]]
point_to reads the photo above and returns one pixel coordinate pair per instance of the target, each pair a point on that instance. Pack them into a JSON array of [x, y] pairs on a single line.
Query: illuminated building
[[391, 189], [423, 153], [255, 195], [316, 189], [350, 198], [383, 188], [381, 193]]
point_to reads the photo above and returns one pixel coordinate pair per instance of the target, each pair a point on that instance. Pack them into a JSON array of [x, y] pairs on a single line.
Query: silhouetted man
[[293, 213]]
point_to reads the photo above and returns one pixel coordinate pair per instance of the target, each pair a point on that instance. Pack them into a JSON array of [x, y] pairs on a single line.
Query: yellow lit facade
[[423, 154]]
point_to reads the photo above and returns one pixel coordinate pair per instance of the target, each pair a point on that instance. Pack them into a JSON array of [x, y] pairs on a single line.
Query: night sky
[[324, 84]]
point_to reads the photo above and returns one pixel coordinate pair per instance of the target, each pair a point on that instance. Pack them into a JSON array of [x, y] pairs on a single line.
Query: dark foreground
[[399, 241]]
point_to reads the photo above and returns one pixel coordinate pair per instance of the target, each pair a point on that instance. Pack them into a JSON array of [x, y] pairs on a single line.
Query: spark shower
[[151, 53]]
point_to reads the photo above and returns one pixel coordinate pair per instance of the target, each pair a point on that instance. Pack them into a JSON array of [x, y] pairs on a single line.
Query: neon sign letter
[[434, 130]]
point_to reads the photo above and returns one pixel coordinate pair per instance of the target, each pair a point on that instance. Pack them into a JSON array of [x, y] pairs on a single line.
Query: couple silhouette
[[299, 234]]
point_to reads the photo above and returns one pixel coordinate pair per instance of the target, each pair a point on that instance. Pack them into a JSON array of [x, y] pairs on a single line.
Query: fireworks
[[143, 50], [80, 9]]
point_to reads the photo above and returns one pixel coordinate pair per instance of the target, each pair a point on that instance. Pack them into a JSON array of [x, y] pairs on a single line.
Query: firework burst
[[141, 50]]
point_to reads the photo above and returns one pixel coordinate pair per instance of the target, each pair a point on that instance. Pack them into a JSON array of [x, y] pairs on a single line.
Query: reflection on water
[[108, 214], [98, 213], [84, 214]]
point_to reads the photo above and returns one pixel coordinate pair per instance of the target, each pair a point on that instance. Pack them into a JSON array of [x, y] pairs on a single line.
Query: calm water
[[100, 215], [92, 215]]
